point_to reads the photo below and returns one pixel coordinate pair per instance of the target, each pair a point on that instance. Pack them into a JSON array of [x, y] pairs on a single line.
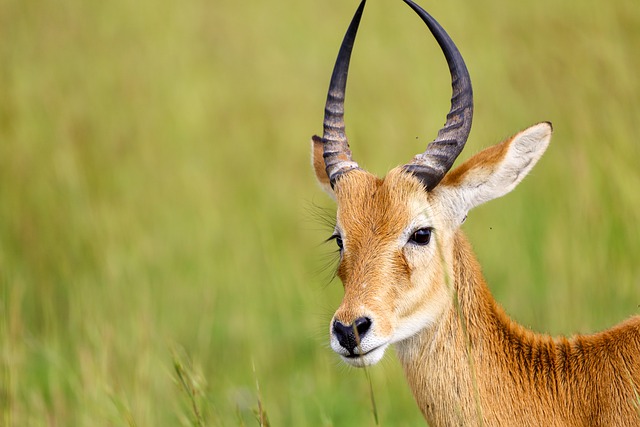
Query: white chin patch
[[370, 358]]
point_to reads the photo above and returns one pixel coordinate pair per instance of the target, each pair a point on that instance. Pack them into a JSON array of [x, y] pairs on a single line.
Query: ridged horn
[[432, 165], [337, 156]]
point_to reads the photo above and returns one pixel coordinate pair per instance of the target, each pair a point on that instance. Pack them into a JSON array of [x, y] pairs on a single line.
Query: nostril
[[362, 325], [341, 330], [346, 334]]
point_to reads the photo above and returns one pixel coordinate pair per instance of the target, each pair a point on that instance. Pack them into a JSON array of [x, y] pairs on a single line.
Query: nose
[[346, 334]]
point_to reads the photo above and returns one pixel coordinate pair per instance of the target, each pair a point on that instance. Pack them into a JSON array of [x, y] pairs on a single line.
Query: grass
[[155, 185], [372, 396], [191, 385]]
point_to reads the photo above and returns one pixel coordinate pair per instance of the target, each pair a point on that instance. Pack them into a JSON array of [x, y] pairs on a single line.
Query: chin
[[368, 359]]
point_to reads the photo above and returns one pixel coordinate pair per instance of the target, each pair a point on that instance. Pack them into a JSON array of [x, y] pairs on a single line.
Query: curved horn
[[432, 165], [337, 156]]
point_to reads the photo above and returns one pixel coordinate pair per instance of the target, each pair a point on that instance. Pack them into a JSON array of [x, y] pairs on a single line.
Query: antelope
[[411, 279]]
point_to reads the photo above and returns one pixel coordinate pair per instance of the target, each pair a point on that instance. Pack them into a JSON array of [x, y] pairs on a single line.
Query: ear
[[494, 172], [317, 160]]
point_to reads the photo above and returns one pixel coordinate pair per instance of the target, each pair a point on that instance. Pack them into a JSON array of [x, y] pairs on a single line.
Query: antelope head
[[397, 234]]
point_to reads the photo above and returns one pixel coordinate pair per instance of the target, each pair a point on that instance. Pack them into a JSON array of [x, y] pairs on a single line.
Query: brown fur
[[494, 370], [469, 364], [317, 162], [490, 156]]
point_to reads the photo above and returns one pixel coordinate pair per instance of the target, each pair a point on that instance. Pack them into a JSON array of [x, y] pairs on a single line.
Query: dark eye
[[338, 240], [422, 236]]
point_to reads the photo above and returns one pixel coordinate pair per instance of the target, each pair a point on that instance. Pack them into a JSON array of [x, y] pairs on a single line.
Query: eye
[[422, 236], [338, 240]]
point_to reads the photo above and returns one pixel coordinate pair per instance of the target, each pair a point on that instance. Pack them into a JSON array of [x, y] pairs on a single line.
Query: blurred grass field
[[157, 203]]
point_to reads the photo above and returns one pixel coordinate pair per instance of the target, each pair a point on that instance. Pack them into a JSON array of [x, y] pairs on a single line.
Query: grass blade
[[372, 397], [189, 385]]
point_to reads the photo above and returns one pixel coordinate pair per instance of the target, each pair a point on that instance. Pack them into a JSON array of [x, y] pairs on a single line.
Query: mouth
[[369, 358], [358, 356]]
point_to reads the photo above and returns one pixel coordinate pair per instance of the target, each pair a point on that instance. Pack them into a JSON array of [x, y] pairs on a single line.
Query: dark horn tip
[[431, 166], [336, 147]]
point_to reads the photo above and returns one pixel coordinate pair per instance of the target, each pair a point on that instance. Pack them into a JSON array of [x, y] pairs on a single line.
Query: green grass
[[155, 191]]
